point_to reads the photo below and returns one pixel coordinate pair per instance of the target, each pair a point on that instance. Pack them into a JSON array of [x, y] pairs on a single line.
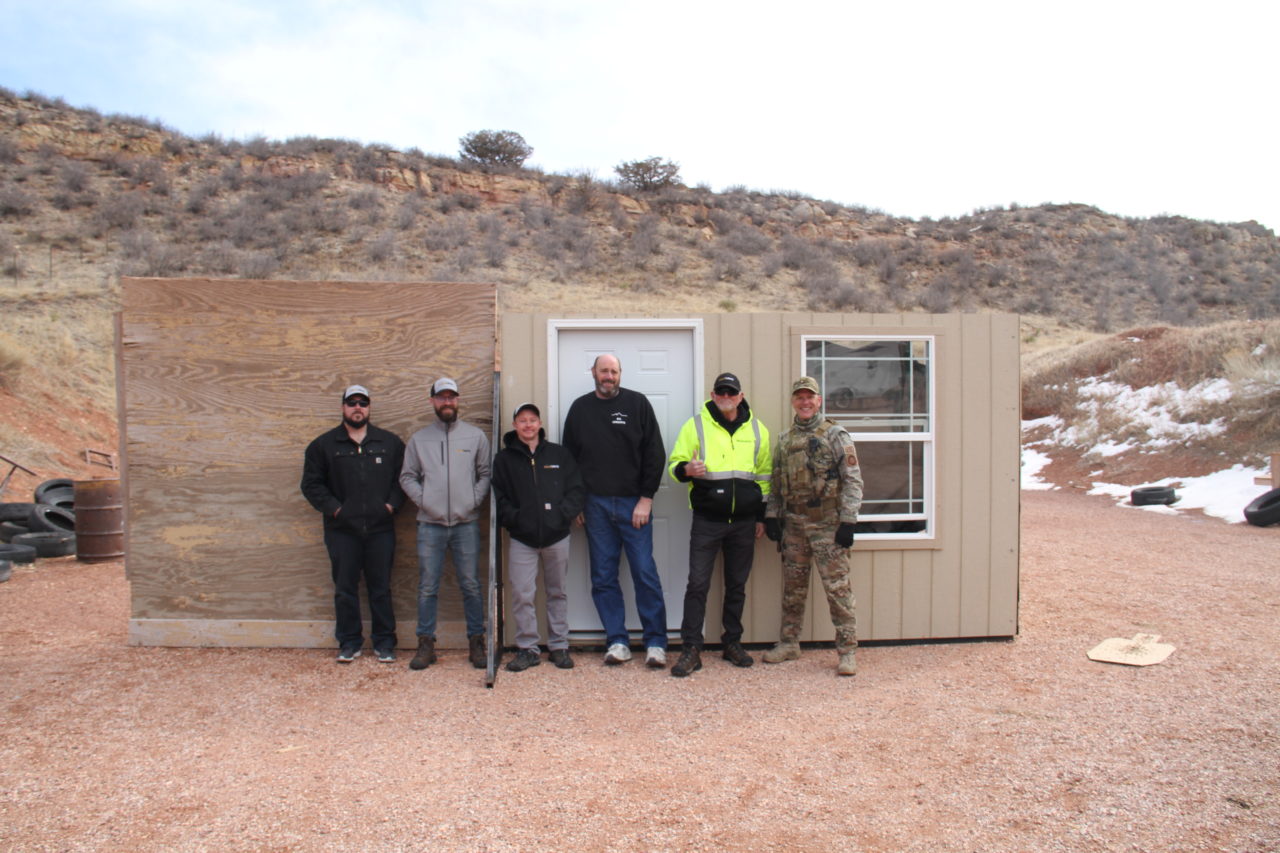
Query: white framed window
[[881, 389]]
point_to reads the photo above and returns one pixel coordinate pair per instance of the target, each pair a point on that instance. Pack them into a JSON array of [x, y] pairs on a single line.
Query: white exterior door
[[664, 365]]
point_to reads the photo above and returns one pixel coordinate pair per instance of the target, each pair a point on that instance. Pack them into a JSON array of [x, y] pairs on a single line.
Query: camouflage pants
[[805, 545]]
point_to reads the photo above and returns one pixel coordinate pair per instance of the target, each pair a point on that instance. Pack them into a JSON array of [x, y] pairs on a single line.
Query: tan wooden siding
[[222, 385], [963, 583]]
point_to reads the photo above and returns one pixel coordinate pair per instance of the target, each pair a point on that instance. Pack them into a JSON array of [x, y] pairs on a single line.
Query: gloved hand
[[844, 535], [773, 529]]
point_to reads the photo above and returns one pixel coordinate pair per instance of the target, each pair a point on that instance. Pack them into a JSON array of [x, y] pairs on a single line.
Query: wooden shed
[[222, 384], [932, 401]]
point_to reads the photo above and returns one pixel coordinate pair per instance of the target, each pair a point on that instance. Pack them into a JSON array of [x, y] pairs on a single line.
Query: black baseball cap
[[727, 380]]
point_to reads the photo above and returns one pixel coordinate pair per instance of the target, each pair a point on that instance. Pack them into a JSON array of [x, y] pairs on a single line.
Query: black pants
[[353, 556], [706, 539]]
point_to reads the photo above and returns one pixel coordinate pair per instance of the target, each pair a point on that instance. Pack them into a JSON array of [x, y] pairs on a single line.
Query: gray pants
[[522, 575]]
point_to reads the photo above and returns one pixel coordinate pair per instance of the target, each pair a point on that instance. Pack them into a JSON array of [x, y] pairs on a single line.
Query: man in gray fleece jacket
[[446, 474]]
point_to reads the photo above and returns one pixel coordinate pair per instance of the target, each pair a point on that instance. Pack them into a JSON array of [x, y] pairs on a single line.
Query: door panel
[[658, 363]]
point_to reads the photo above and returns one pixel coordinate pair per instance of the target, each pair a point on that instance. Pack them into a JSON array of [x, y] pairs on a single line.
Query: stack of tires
[[46, 527]]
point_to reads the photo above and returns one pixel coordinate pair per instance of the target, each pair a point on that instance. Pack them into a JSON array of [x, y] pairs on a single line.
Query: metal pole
[[493, 638]]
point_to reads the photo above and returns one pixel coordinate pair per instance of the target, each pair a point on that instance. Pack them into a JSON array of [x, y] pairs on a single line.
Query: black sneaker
[[348, 655], [386, 655], [690, 661], [560, 657], [735, 654], [524, 659]]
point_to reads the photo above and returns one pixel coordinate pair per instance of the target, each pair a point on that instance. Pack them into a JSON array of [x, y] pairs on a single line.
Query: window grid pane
[[879, 390], [873, 385]]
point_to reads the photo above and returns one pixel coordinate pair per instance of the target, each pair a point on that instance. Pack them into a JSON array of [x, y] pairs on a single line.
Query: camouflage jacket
[[816, 473]]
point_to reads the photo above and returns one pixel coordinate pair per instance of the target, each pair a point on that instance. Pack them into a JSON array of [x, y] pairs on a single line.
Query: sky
[[916, 109]]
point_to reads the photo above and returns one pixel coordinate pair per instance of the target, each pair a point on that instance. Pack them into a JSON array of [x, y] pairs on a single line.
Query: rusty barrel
[[99, 520]]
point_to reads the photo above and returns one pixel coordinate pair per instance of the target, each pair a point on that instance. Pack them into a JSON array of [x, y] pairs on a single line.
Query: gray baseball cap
[[444, 383]]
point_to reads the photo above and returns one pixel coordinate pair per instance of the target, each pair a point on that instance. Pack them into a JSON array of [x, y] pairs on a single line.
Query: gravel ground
[[995, 746]]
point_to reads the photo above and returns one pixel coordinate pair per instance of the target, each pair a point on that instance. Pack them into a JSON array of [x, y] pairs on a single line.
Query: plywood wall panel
[[223, 384]]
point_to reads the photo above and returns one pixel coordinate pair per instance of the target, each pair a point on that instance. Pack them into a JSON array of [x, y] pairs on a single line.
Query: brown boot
[[477, 651], [426, 653]]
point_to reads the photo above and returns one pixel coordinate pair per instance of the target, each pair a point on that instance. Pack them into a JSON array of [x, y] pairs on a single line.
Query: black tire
[[48, 544], [46, 518], [1153, 496], [18, 553], [10, 529], [65, 498], [1264, 510], [6, 569], [50, 486], [18, 512]]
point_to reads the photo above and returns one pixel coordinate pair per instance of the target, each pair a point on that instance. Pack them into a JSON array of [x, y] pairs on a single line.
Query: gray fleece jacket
[[446, 472]]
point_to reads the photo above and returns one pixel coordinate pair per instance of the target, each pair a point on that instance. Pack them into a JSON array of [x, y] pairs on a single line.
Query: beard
[[606, 391], [447, 414], [359, 420]]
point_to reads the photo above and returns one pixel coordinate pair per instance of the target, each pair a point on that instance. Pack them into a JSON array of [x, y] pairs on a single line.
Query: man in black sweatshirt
[[614, 435], [539, 493]]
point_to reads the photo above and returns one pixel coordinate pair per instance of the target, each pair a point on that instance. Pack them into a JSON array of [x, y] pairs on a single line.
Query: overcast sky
[[915, 108]]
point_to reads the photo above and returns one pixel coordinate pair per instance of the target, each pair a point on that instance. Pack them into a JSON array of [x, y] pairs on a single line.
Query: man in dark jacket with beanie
[[351, 475], [539, 492]]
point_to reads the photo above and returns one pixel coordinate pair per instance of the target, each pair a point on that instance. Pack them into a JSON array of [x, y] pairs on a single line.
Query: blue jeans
[[463, 541], [609, 533]]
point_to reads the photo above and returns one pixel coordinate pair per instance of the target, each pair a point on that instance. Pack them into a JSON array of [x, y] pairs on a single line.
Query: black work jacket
[[359, 479], [539, 494]]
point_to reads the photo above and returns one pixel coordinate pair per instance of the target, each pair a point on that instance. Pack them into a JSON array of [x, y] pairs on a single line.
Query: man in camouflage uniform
[[813, 506]]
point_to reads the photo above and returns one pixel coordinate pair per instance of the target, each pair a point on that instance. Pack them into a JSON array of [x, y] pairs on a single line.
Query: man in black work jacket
[[351, 475], [539, 493]]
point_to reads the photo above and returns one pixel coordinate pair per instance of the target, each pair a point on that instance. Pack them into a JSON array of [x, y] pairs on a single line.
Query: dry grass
[[1167, 361], [13, 358], [1242, 351]]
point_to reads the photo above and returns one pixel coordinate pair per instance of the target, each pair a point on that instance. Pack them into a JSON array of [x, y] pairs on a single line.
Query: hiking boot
[[735, 654], [477, 651], [618, 653], [524, 659], [656, 658], [847, 665], [348, 654], [784, 650], [560, 657], [690, 661], [426, 653]]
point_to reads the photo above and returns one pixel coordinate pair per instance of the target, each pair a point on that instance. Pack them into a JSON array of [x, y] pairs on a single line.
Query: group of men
[[805, 495]]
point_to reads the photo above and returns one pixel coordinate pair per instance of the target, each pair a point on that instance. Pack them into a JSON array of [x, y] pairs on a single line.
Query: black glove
[[844, 535], [773, 529]]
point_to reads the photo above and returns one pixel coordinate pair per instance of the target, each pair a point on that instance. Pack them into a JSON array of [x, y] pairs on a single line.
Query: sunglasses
[[356, 403], [725, 392]]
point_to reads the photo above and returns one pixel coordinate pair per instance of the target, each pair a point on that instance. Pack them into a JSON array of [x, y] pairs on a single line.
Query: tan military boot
[[784, 650], [847, 665]]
